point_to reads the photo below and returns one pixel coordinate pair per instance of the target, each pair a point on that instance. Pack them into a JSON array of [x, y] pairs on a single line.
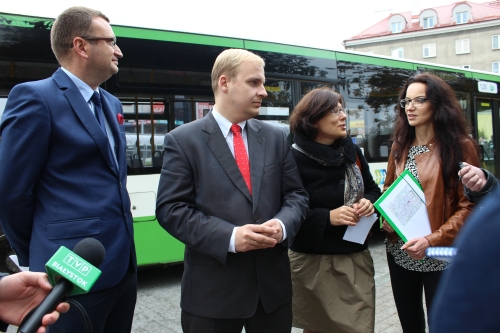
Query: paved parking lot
[[158, 308], [159, 294]]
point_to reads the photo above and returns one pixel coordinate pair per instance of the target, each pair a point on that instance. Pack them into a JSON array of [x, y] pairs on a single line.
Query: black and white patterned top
[[400, 256]]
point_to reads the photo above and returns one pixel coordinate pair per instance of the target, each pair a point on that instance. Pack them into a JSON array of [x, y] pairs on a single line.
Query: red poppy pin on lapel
[[119, 117]]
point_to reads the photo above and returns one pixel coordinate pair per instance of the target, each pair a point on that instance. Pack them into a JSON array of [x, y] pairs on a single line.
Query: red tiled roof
[[480, 13]]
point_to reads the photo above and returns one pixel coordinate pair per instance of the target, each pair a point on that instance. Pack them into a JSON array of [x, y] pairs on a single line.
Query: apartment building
[[462, 34]]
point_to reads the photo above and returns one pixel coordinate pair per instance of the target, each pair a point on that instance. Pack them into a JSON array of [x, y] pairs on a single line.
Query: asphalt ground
[[159, 289], [158, 301]]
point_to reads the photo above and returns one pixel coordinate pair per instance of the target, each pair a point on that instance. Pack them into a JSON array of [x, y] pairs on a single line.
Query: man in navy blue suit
[[63, 168]]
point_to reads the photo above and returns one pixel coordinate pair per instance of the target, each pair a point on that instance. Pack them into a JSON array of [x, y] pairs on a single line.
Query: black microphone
[[72, 276]]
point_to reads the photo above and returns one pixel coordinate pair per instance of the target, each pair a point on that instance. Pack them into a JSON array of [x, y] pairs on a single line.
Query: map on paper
[[405, 204]]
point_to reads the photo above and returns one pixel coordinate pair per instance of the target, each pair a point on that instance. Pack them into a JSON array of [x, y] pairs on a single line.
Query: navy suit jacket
[[58, 180], [202, 196], [467, 299]]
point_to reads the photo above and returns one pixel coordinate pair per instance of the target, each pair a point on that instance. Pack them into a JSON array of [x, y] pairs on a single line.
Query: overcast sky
[[315, 23]]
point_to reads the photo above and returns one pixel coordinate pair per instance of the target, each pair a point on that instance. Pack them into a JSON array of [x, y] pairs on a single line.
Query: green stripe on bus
[[487, 77], [25, 21], [172, 36], [445, 69], [288, 49], [144, 218], [133, 32], [156, 246]]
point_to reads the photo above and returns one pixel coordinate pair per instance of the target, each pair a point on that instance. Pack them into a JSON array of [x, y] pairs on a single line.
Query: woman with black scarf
[[333, 279]]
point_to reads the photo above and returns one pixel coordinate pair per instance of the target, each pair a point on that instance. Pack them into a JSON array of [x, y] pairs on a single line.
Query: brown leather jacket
[[446, 220]]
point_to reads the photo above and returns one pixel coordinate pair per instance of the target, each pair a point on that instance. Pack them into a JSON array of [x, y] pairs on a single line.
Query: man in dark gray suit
[[237, 212]]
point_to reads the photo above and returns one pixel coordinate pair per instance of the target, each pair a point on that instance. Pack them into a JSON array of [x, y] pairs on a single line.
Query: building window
[[462, 17], [397, 53], [396, 27], [462, 46], [428, 22], [494, 42], [429, 50], [494, 67]]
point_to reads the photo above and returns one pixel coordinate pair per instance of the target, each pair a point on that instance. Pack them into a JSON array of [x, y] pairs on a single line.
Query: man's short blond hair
[[228, 61], [73, 22]]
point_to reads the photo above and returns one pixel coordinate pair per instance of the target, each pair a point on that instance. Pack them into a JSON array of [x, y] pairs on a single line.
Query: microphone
[[71, 273]]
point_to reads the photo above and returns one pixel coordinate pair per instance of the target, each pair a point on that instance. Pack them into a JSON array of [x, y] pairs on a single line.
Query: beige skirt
[[333, 293]]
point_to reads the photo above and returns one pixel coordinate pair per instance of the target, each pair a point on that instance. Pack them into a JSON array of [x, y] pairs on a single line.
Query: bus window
[[279, 93], [306, 87], [371, 93], [182, 110], [485, 133], [3, 102], [146, 124], [203, 108]]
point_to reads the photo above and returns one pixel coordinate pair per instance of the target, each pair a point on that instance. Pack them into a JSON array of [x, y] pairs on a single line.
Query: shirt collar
[[84, 88], [224, 124]]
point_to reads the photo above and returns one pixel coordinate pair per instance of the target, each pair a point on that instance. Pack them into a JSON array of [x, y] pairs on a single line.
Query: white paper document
[[16, 262], [359, 232]]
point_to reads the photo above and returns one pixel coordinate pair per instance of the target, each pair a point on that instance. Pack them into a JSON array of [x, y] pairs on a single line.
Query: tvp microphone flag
[[71, 273], [77, 266]]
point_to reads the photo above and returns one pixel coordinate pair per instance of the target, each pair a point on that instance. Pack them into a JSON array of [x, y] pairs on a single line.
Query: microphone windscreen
[[91, 250]]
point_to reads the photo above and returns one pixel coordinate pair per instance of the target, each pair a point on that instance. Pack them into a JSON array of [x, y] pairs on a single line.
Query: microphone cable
[[87, 324]]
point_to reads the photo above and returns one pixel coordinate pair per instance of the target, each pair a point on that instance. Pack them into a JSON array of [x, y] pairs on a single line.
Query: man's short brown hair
[[73, 22]]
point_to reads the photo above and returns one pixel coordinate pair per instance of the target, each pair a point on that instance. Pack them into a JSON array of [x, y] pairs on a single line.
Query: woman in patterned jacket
[[430, 140]]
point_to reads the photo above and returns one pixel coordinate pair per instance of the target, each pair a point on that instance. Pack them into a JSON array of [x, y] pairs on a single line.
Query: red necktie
[[240, 154]]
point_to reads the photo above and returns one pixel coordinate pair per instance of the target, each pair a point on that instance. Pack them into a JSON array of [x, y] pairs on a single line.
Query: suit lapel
[[219, 148], [257, 148], [83, 112]]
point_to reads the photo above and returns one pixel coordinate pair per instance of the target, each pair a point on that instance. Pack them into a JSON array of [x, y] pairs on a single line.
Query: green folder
[[403, 207]]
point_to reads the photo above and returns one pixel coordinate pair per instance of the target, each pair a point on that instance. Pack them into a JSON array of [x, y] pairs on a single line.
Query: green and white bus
[[164, 82]]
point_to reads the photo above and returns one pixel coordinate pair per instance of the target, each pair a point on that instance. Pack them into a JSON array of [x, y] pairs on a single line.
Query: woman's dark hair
[[312, 107], [449, 124]]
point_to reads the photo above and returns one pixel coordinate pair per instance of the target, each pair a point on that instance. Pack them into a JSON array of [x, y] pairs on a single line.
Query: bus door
[[488, 136], [146, 123]]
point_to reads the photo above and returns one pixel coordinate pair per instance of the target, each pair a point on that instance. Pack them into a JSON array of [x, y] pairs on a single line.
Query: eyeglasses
[[337, 111], [416, 102], [111, 40]]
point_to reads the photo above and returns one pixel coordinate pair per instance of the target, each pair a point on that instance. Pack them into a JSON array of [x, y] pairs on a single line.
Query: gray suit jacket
[[202, 196]]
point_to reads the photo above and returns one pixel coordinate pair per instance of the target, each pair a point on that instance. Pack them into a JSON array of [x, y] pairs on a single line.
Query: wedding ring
[[255, 243]]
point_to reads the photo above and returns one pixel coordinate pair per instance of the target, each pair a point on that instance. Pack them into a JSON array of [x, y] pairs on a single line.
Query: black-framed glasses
[[337, 111], [416, 102], [111, 40]]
